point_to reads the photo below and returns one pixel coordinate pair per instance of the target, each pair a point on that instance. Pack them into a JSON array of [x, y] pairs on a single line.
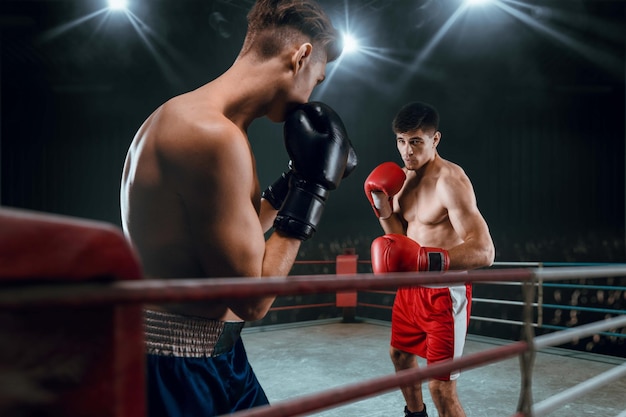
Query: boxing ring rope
[[539, 304], [548, 405], [545, 407], [199, 289], [376, 386], [337, 396], [17, 297]]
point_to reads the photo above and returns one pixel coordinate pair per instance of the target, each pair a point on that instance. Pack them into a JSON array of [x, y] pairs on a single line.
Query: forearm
[[392, 224], [280, 254], [471, 254], [267, 215]]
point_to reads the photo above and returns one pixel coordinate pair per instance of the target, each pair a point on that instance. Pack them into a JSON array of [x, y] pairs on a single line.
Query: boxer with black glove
[[321, 155]]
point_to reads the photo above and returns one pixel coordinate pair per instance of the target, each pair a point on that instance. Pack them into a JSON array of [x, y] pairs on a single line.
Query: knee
[[442, 390], [400, 357], [435, 388]]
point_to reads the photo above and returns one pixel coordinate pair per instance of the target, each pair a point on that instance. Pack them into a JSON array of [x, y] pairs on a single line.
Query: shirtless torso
[[190, 196], [173, 168], [437, 205]]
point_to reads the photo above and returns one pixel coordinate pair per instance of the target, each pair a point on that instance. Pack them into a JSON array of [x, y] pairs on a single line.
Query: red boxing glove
[[398, 253], [381, 185]]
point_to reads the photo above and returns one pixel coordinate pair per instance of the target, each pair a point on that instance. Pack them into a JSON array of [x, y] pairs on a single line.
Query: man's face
[[304, 82], [417, 147], [307, 79]]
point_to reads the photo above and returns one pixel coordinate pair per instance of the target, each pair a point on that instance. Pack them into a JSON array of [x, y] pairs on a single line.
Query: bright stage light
[[349, 43], [117, 4], [476, 2]]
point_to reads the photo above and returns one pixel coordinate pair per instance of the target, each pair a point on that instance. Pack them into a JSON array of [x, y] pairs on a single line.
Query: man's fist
[[398, 253], [381, 185], [321, 156]]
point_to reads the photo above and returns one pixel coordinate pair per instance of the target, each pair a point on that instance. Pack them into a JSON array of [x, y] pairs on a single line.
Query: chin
[[279, 115], [412, 166], [276, 118]]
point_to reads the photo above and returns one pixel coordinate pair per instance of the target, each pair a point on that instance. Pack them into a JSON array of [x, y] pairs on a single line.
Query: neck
[[424, 169], [248, 89]]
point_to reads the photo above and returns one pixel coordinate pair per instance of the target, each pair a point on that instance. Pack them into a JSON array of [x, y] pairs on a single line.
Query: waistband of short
[[448, 285], [176, 335]]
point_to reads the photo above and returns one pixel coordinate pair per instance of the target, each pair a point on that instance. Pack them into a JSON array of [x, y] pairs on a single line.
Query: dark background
[[531, 96]]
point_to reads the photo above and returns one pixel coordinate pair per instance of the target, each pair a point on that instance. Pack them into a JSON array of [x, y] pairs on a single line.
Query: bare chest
[[420, 205]]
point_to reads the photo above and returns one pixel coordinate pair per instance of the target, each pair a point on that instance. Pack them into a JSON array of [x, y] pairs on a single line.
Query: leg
[[445, 398], [412, 393], [450, 316]]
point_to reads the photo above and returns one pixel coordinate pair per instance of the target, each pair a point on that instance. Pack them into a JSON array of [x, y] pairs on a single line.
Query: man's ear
[[437, 138], [300, 56]]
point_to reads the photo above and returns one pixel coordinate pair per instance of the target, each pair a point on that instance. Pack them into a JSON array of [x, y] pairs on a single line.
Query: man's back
[[169, 174]]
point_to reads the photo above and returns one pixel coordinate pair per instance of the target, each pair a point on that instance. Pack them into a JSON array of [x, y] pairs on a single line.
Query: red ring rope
[[199, 289]]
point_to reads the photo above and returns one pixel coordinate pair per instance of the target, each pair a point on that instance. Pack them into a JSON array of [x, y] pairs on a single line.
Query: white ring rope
[[548, 405]]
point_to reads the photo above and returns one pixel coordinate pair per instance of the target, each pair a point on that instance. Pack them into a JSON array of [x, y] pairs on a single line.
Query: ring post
[[346, 264], [79, 361], [527, 358]]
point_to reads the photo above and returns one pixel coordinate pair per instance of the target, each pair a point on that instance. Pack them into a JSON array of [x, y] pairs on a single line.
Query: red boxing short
[[432, 322]]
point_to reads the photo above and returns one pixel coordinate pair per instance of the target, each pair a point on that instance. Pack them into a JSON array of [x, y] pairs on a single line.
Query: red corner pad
[[37, 246]]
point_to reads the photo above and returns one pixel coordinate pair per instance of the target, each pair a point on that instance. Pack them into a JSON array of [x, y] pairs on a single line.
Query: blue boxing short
[[197, 367]]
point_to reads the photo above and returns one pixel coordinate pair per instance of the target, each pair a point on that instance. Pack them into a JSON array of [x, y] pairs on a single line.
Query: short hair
[[414, 116], [274, 23]]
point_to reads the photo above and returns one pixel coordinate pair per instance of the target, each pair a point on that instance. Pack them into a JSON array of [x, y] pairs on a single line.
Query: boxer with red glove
[[385, 181], [398, 253], [429, 200]]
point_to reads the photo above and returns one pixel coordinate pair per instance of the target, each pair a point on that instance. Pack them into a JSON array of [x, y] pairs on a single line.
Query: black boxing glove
[[320, 151], [352, 161], [276, 192]]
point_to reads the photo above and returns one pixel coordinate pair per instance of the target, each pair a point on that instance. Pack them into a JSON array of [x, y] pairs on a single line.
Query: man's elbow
[[489, 255], [251, 311], [253, 315]]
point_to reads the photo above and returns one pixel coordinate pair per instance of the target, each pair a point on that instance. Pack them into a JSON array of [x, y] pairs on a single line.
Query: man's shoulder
[[449, 169], [181, 120], [451, 176]]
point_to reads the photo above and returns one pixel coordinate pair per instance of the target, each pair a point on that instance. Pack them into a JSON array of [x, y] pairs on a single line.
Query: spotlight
[[117, 4], [476, 2], [349, 43]]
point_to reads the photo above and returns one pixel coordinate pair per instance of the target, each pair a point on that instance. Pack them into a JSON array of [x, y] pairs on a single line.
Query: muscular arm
[[218, 189], [477, 250], [395, 223], [267, 215]]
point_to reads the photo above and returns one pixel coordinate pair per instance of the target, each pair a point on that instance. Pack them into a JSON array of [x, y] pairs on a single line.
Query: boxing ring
[[72, 292]]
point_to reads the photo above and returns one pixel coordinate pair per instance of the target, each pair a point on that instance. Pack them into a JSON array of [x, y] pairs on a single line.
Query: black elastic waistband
[[170, 334]]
